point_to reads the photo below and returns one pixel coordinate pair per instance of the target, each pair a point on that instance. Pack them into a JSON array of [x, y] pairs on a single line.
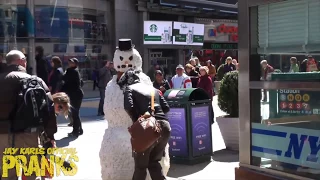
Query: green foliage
[[220, 72], [277, 71], [228, 99]]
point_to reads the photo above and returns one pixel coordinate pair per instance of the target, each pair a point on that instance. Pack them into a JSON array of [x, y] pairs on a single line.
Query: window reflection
[[59, 23], [286, 122], [282, 62], [286, 135], [14, 21], [51, 22], [61, 30]]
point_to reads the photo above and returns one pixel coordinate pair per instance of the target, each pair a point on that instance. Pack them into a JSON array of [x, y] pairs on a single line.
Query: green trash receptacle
[[190, 118], [286, 102]]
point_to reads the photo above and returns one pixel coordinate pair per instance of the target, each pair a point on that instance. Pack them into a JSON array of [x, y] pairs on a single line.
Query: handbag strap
[[152, 101]]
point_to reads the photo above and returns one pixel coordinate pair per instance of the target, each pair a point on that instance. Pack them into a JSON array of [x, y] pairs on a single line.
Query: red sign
[[291, 106], [231, 31], [298, 106], [283, 105]]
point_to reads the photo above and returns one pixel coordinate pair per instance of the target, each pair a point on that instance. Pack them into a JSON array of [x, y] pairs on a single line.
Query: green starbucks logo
[[153, 28]]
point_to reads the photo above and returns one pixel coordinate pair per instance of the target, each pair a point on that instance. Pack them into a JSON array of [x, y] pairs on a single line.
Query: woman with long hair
[[56, 74]]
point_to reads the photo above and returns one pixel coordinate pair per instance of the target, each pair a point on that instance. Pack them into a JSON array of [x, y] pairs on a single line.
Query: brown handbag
[[145, 131]]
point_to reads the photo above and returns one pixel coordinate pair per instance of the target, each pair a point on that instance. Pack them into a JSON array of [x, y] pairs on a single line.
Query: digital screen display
[[182, 1], [60, 48], [224, 46], [80, 49]]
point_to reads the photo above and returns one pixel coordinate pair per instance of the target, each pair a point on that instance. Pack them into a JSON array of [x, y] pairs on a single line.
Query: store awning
[[217, 5]]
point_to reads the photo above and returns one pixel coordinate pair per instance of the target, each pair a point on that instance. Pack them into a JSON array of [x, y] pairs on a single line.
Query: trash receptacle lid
[[190, 94]]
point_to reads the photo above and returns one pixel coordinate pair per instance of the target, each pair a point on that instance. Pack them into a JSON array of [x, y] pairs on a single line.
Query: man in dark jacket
[[10, 87], [137, 100], [42, 64]]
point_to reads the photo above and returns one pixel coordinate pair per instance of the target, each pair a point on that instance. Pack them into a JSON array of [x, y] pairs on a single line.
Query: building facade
[[90, 29], [86, 29], [279, 138], [186, 12], [220, 40]]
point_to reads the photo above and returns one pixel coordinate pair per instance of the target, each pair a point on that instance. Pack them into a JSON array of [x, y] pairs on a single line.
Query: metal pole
[[31, 46]]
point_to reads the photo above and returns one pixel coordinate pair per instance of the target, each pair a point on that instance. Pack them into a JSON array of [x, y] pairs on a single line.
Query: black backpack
[[32, 106]]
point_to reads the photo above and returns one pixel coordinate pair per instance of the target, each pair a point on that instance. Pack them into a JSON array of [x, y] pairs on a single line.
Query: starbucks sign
[[157, 32], [153, 28]]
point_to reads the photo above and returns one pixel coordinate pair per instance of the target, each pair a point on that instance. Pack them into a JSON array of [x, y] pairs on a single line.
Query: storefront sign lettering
[[297, 146], [231, 31]]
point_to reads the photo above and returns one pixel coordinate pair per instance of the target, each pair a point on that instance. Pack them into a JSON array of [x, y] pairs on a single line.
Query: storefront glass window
[[285, 122], [285, 130], [14, 26], [75, 30], [61, 28]]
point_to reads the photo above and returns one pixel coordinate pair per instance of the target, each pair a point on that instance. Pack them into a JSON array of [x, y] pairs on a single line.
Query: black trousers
[[76, 101], [151, 158], [101, 102], [95, 84]]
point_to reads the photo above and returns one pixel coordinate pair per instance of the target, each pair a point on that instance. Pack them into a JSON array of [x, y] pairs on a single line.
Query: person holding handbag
[[141, 99]]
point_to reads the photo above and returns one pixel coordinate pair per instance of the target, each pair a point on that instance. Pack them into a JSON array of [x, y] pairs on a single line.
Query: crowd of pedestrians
[[192, 75], [307, 65]]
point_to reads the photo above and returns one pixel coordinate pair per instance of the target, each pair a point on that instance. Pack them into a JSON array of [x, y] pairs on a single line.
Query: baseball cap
[[179, 67], [309, 56], [16, 52], [74, 60], [158, 72]]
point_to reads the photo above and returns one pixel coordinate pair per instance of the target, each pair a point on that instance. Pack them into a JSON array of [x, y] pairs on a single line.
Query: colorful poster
[[201, 134], [188, 33], [295, 102], [157, 32], [178, 141]]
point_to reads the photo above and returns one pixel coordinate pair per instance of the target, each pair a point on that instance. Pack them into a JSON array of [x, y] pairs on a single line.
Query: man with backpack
[[26, 108]]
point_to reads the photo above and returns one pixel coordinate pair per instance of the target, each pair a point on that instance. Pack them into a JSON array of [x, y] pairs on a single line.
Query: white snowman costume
[[116, 158]]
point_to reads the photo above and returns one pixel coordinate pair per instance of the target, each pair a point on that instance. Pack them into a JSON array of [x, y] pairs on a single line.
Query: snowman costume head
[[127, 57]]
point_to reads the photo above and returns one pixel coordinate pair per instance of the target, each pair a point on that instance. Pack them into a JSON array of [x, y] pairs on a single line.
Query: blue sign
[[296, 146], [178, 141], [201, 134], [52, 22]]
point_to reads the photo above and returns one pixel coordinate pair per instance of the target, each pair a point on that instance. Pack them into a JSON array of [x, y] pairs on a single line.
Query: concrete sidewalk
[[88, 146]]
